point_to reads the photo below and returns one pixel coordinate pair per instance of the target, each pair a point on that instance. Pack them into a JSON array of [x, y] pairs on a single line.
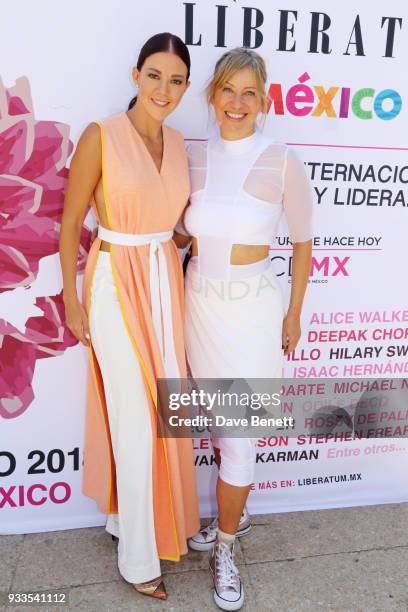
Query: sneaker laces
[[227, 572], [211, 529]]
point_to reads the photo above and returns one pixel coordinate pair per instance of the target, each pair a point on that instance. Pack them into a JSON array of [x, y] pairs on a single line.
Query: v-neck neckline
[[133, 129]]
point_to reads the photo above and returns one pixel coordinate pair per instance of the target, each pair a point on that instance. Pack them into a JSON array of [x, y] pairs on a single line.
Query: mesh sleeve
[[297, 198], [197, 162]]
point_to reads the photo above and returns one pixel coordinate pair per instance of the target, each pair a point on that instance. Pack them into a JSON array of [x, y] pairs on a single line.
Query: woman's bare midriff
[[241, 254]]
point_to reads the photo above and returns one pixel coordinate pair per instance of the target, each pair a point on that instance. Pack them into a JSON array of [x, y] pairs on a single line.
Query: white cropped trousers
[[130, 430]]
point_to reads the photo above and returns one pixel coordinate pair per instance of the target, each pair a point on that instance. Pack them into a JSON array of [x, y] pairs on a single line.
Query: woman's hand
[[291, 332], [77, 320]]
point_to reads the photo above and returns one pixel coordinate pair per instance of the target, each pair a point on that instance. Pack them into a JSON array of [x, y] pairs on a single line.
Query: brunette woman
[[134, 169]]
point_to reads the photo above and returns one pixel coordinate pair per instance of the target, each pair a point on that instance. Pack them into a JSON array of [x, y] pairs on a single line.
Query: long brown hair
[[163, 42]]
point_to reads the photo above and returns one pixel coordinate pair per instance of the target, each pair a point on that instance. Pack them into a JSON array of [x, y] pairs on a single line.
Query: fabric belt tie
[[160, 293]]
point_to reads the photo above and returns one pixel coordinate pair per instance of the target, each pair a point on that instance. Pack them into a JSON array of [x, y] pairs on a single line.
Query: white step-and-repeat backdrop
[[338, 94]]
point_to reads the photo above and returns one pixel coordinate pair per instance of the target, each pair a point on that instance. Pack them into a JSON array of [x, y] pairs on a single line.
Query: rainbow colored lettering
[[335, 102]]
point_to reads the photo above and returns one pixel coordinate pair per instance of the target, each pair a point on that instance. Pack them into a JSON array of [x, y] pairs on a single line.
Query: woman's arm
[[301, 262], [180, 235], [84, 174], [298, 204]]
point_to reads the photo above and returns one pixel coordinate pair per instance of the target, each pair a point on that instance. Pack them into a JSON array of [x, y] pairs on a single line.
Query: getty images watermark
[[326, 409], [218, 402]]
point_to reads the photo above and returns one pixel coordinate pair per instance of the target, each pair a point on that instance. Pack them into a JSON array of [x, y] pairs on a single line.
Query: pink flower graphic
[[33, 177]]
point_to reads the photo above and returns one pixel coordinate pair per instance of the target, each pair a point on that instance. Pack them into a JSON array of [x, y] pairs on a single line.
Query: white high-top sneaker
[[228, 588], [205, 538]]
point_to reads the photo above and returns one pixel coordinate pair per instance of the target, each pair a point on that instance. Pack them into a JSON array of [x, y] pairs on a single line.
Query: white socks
[[226, 538]]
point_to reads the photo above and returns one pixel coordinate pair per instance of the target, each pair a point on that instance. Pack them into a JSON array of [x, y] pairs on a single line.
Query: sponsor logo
[[327, 266]]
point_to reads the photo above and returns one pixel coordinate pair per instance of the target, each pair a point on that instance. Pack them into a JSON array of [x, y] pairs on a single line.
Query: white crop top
[[239, 190]]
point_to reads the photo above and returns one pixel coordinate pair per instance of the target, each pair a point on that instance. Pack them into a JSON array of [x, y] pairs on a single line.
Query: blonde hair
[[232, 61]]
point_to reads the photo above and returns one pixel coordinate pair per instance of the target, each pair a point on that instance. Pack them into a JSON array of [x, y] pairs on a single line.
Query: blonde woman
[[242, 182]]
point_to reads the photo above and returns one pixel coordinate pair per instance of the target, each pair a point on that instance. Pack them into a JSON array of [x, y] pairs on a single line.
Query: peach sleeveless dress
[[139, 199]]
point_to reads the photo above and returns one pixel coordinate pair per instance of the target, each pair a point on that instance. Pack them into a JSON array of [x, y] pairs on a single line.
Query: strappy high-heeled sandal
[[153, 588]]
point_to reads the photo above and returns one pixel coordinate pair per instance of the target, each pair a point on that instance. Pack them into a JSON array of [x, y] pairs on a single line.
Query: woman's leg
[[236, 474], [231, 501], [205, 538], [130, 429], [233, 485]]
